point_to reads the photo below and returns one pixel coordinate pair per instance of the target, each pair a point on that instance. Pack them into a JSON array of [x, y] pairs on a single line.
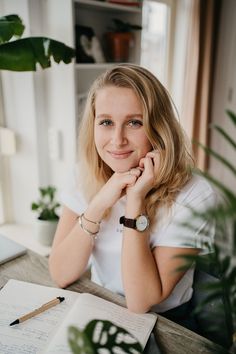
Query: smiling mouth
[[120, 154]]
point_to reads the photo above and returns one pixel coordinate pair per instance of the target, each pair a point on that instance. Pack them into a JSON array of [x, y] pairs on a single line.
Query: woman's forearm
[[68, 261], [141, 280], [73, 245], [140, 275]]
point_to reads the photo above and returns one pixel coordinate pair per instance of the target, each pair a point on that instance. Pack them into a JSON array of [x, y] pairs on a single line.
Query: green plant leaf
[[34, 206], [10, 25], [226, 191], [101, 335], [225, 264], [211, 297], [46, 205], [79, 342], [231, 115], [24, 54], [219, 157], [225, 135], [212, 286]]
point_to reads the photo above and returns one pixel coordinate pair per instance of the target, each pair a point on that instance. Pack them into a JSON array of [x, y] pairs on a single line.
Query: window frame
[[170, 39]]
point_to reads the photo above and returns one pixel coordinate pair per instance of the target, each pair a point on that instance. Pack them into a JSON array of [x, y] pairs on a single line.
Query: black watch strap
[[131, 223]]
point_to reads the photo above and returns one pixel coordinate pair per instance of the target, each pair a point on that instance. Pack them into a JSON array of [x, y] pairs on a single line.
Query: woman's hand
[[111, 192], [146, 181]]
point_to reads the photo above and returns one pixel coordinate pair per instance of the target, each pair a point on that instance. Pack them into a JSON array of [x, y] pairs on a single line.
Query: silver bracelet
[[92, 234], [92, 222]]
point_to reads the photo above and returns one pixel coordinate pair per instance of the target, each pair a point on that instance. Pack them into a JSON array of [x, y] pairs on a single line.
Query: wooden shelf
[[106, 6]]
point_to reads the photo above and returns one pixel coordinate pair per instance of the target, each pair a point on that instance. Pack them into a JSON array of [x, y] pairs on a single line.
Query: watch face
[[142, 223]]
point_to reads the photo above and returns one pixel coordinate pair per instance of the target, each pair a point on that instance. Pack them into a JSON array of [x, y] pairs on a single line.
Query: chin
[[121, 167]]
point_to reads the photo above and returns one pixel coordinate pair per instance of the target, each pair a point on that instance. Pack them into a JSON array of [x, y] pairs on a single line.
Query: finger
[[135, 171], [148, 165], [141, 163], [153, 153]]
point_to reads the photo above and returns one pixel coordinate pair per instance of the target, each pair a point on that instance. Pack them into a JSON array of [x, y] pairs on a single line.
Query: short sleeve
[[71, 195], [178, 227]]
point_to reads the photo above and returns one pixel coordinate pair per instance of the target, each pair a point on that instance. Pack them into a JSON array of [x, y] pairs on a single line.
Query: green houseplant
[[47, 219], [119, 39], [219, 262], [24, 54]]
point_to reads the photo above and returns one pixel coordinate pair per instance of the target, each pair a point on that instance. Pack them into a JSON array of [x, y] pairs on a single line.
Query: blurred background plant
[[219, 289], [46, 205], [102, 337], [24, 54]]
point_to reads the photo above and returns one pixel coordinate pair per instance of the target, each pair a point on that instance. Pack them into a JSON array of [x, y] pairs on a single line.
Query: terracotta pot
[[118, 44]]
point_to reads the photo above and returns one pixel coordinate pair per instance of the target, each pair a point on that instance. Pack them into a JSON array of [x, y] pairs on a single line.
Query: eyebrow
[[129, 116]]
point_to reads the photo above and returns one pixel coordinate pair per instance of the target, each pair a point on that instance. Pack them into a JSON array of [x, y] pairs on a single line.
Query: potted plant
[[47, 217], [119, 39]]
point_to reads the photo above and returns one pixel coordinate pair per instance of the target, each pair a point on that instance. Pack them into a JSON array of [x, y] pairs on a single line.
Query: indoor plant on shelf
[[119, 39], [47, 217]]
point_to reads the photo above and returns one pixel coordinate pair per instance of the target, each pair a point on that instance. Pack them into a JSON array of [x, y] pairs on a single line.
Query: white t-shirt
[[167, 231]]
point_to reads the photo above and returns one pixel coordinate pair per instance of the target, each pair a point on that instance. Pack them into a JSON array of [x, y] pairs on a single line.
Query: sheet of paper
[[89, 307], [18, 298]]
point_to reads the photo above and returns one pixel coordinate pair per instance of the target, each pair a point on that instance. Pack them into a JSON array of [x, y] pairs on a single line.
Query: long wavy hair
[[161, 127]]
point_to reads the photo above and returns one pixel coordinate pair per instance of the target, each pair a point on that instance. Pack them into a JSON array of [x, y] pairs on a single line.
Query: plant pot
[[45, 231], [118, 45]]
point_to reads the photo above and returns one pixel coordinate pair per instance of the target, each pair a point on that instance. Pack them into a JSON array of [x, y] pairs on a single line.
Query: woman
[[133, 190]]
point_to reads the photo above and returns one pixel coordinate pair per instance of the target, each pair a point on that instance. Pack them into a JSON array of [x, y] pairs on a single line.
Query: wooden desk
[[171, 338]]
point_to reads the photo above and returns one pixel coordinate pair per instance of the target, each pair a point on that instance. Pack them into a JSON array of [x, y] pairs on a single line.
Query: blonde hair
[[161, 127]]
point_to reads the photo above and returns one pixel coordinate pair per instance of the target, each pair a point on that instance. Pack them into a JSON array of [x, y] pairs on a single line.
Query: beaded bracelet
[[92, 234]]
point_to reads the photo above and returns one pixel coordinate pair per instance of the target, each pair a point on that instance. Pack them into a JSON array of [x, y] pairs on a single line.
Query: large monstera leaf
[[102, 337], [24, 54]]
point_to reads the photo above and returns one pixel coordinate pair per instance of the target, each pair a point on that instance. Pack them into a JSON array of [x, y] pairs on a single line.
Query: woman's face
[[119, 134]]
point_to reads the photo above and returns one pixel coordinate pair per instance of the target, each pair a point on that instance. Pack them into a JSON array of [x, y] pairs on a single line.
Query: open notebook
[[9, 249], [48, 332]]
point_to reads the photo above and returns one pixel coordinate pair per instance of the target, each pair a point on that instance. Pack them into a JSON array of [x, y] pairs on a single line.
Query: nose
[[119, 137]]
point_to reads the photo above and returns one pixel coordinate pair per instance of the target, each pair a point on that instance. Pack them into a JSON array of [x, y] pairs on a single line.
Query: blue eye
[[135, 123], [106, 122]]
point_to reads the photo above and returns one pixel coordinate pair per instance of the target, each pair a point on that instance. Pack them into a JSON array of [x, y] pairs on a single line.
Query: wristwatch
[[140, 223]]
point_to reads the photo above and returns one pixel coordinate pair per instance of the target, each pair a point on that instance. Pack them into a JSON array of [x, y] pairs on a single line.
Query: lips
[[120, 154]]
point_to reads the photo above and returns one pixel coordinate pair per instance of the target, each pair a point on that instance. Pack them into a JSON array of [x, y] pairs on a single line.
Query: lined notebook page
[[30, 337]]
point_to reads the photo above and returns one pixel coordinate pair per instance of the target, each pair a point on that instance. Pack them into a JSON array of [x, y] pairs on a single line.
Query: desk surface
[[171, 337]]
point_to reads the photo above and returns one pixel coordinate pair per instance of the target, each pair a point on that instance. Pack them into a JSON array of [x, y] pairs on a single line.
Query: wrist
[[94, 211], [134, 206], [90, 227]]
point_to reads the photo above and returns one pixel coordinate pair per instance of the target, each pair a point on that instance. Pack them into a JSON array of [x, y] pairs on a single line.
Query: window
[[155, 43]]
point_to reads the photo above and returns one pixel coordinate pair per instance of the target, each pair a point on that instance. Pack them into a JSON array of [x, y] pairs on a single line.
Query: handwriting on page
[[30, 336], [87, 308]]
